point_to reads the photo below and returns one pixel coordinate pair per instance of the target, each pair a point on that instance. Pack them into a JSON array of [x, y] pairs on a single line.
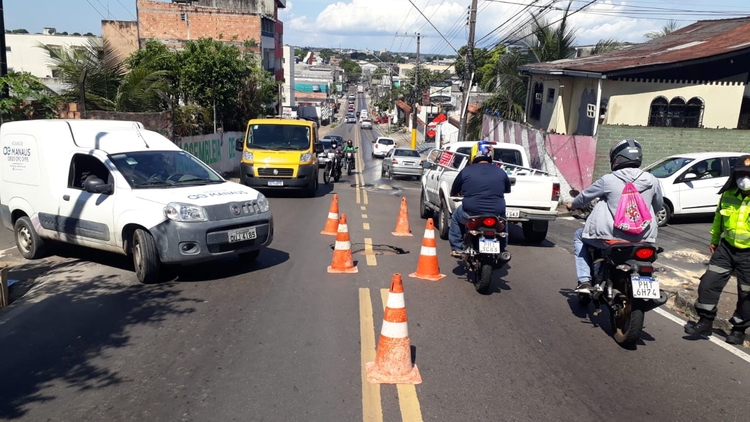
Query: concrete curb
[[682, 301]]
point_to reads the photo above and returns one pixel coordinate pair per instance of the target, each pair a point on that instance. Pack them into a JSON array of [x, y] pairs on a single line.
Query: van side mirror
[[238, 145], [97, 185], [319, 148]]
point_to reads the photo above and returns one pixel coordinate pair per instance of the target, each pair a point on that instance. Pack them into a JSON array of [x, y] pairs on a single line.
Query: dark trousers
[[725, 260]]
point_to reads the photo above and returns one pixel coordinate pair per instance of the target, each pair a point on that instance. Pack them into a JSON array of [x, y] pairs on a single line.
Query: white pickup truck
[[532, 202]]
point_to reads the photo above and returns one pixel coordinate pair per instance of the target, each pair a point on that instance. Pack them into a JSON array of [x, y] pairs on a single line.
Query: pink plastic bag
[[633, 215]]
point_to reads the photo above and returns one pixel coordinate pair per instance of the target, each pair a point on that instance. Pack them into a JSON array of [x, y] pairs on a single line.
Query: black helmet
[[334, 144], [349, 142], [626, 153]]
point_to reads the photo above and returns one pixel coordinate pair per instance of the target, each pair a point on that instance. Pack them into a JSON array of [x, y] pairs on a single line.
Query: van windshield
[[157, 169], [279, 137]]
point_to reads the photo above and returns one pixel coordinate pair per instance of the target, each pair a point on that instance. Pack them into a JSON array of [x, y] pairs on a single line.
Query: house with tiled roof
[[695, 77]]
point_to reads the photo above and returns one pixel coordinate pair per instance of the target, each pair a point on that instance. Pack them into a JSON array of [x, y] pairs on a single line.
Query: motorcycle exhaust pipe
[[505, 256], [655, 303]]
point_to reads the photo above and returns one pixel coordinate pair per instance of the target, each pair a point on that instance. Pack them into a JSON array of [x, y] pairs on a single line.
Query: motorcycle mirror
[[574, 192]]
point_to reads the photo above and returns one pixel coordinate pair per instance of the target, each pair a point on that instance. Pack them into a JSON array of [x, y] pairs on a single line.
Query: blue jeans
[[582, 255], [455, 232]]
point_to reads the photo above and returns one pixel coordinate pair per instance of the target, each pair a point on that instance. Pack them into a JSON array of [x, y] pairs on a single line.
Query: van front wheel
[[28, 241], [145, 257]]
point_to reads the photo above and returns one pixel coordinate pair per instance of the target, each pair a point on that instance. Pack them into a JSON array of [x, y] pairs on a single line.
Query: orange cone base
[[401, 234], [332, 233], [427, 276], [375, 377], [351, 270]]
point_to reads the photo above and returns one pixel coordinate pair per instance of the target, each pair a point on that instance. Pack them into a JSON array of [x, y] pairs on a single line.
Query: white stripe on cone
[[333, 216], [396, 301], [395, 329], [343, 246], [428, 251], [343, 228], [429, 234]]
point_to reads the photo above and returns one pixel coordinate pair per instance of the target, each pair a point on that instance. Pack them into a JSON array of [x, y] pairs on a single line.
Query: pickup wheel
[[424, 212], [145, 257], [445, 220], [535, 234]]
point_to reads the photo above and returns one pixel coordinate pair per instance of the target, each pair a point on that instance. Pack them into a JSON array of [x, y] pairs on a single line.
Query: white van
[[363, 115], [113, 185]]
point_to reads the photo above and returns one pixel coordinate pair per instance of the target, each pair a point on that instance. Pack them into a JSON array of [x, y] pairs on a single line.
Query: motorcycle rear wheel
[[628, 325], [483, 279], [327, 175]]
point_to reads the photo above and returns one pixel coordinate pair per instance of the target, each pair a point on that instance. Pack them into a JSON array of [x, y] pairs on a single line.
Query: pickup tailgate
[[531, 192]]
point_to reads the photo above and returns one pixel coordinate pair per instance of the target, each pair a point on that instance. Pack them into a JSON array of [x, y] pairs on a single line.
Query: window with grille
[[676, 113]]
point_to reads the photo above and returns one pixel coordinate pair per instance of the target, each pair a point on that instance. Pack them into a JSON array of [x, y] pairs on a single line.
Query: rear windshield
[[386, 141], [509, 156], [406, 153]]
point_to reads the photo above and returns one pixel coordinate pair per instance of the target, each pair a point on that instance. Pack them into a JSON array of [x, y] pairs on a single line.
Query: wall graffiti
[[216, 150]]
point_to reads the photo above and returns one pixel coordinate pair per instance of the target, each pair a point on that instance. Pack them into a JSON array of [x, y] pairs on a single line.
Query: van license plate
[[511, 213], [242, 235], [275, 183], [489, 246], [645, 287]]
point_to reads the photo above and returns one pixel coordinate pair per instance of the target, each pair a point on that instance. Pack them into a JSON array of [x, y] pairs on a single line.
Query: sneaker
[[456, 254], [704, 327], [736, 336], [583, 287]]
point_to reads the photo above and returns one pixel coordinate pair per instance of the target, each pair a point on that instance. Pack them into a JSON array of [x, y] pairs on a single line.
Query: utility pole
[[5, 93], [468, 70], [417, 95]]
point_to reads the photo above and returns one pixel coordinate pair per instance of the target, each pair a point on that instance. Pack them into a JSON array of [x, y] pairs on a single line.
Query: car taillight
[[394, 161], [555, 192], [489, 222], [644, 253]]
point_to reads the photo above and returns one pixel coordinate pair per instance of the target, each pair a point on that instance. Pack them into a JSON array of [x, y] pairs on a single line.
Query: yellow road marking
[[369, 253], [372, 410], [363, 208], [364, 197], [364, 216], [358, 198], [408, 401], [366, 226]]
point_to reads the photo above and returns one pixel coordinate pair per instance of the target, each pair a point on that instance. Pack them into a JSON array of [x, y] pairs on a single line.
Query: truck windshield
[[279, 137], [156, 169]]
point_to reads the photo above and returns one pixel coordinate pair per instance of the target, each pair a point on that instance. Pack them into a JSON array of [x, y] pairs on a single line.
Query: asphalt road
[[283, 340]]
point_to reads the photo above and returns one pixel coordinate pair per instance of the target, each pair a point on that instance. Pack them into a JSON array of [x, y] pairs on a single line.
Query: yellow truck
[[280, 154]]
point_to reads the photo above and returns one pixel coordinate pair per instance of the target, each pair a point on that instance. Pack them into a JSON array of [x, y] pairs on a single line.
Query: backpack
[[633, 215]]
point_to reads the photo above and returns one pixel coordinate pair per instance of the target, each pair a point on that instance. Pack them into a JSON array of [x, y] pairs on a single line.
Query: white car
[[366, 124], [382, 146], [691, 182]]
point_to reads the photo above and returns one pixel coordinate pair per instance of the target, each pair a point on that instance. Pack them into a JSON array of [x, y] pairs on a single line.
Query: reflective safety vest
[[732, 219]]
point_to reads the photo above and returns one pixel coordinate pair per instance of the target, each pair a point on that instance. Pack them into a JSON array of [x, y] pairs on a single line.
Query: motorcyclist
[[483, 187], [625, 158], [349, 147], [336, 149]]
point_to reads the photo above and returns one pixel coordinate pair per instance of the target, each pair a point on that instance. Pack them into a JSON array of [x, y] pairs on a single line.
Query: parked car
[[401, 162], [382, 146], [381, 119], [691, 182], [323, 156], [366, 124], [351, 118]]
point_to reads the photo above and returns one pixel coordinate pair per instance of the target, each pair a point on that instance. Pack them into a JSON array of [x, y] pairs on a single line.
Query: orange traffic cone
[[402, 225], [427, 267], [393, 359], [332, 223], [342, 252]]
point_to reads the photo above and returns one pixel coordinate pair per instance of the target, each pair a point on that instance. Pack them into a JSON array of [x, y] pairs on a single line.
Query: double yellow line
[[372, 408]]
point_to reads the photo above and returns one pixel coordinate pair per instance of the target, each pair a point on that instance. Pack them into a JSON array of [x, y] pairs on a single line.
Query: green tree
[[379, 73], [667, 29], [326, 54], [300, 53], [19, 31], [156, 69], [485, 61], [96, 67], [605, 46], [412, 94], [352, 71], [29, 98], [548, 42]]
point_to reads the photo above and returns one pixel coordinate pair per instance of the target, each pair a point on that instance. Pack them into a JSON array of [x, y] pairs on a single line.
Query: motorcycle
[[623, 280], [332, 170], [482, 238], [349, 162]]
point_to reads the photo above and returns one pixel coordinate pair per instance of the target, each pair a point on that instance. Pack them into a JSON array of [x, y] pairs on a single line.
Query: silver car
[[366, 124], [323, 156], [402, 162]]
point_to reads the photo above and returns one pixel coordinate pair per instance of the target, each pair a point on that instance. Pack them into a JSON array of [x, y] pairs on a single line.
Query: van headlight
[[247, 156], [303, 158], [263, 203], [185, 212]]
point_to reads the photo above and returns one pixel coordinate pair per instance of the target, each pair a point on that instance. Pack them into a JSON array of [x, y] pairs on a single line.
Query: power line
[[434, 27], [128, 10]]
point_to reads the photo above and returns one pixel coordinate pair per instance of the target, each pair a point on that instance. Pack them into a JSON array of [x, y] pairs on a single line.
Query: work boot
[[704, 327], [737, 336]]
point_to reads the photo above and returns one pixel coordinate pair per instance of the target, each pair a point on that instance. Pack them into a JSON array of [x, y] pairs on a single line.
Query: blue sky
[[373, 24]]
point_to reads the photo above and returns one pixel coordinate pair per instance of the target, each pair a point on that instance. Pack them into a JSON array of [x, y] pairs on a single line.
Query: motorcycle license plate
[[511, 213], [645, 287], [489, 246]]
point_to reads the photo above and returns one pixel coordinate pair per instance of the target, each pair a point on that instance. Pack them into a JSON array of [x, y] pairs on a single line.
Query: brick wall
[[163, 21], [660, 142], [122, 36]]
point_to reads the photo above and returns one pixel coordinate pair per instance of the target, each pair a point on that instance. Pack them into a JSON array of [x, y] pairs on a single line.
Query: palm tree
[[95, 67], [143, 90], [667, 29], [549, 43], [605, 46]]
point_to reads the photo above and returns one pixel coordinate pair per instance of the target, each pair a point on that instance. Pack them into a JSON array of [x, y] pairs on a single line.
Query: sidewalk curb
[[683, 302]]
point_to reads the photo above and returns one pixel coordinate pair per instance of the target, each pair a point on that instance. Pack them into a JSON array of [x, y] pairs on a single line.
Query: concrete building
[[288, 86], [177, 21], [122, 36]]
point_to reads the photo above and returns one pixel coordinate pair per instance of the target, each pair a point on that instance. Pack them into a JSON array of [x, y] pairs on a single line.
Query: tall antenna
[[137, 127]]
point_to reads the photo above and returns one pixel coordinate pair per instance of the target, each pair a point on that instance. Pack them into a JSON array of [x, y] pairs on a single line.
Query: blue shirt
[[484, 186]]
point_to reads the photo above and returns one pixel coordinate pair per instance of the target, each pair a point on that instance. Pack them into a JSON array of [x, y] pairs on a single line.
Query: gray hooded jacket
[[601, 222]]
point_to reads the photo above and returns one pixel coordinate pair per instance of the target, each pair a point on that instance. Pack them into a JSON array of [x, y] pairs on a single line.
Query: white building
[[25, 54], [288, 85]]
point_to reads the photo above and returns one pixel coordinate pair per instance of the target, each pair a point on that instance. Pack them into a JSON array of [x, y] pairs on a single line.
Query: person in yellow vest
[[730, 252]]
